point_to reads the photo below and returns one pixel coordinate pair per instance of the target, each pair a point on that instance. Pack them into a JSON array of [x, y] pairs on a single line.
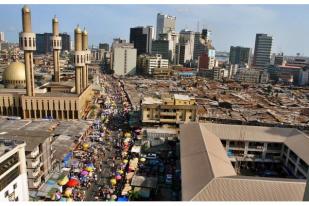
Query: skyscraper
[[142, 37], [240, 55], [262, 50], [165, 23], [199, 46]]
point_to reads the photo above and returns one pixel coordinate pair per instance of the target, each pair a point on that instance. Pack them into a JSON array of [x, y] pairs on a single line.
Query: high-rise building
[[2, 37], [239, 55], [13, 171], [199, 45], [123, 58], [262, 50], [185, 49], [165, 24], [44, 44], [166, 46], [142, 37], [104, 46]]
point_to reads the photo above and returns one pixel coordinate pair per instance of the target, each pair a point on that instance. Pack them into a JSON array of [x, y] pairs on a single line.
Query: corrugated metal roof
[[201, 162], [207, 173], [238, 189]]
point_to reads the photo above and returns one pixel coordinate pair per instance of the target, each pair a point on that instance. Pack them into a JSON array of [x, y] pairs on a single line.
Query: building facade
[[147, 64], [124, 60], [13, 172], [262, 51], [141, 38], [253, 76], [104, 46], [165, 24], [240, 55], [175, 109], [43, 43]]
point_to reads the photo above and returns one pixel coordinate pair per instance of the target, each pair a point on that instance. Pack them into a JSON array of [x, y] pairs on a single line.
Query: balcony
[[35, 163], [168, 120], [36, 173], [168, 114], [35, 154]]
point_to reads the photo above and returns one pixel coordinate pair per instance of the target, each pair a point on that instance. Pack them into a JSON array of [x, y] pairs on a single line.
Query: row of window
[[7, 179], [25, 42], [56, 43], [8, 163]]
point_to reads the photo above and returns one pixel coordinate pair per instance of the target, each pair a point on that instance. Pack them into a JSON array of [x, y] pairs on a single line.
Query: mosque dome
[[14, 76]]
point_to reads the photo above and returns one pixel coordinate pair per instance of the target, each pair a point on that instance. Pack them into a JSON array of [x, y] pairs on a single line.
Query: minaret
[[56, 45], [27, 43], [79, 59], [87, 59]]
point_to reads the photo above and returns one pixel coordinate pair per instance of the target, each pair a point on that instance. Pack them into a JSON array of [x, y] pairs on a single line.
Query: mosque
[[56, 99]]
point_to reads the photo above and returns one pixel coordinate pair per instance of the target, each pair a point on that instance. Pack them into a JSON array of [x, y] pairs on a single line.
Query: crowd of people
[[98, 166]]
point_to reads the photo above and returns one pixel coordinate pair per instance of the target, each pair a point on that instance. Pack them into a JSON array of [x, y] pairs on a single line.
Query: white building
[[148, 63], [165, 24], [124, 60], [13, 172], [2, 37]]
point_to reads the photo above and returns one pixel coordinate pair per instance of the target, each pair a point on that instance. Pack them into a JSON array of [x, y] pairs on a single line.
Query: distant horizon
[[231, 25]]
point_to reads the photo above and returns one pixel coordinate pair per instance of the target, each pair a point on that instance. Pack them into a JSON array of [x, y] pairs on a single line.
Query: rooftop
[[207, 173]]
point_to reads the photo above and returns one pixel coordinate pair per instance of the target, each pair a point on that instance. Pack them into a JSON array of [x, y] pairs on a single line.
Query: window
[[25, 40], [15, 186], [6, 193], [148, 115]]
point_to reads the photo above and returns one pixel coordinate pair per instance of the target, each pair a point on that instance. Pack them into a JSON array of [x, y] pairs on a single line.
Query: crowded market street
[[99, 166]]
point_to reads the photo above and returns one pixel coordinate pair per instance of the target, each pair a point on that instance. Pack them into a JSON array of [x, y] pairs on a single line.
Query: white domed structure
[[14, 76]]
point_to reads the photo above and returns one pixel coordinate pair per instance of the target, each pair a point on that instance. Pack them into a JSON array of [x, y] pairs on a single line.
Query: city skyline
[[227, 22]]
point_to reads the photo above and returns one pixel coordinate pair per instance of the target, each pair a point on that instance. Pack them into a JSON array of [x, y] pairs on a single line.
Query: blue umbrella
[[123, 199]]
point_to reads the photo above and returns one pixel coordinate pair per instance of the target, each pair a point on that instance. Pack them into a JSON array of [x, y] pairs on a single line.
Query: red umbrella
[[72, 183]]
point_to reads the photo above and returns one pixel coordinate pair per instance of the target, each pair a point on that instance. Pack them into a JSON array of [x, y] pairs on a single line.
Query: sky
[[231, 25]]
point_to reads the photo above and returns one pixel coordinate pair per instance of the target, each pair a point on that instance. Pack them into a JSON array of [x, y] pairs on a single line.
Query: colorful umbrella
[[118, 177], [63, 181], [90, 165], [113, 181], [120, 171], [143, 159], [84, 173], [125, 161], [72, 182], [68, 192], [89, 169]]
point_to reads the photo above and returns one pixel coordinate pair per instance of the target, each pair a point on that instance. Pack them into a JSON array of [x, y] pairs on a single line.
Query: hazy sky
[[230, 24]]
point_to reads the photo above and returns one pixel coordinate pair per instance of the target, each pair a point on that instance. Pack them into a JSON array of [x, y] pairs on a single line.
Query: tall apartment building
[[124, 57], [165, 24], [170, 109], [13, 172], [146, 64], [2, 37], [43, 43], [142, 37], [240, 55], [262, 51]]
